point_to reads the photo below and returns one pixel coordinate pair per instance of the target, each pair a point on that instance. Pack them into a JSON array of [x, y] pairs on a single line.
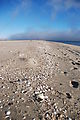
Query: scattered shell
[[70, 119], [1, 107], [7, 117], [8, 113], [24, 117], [40, 96], [47, 116], [33, 119]]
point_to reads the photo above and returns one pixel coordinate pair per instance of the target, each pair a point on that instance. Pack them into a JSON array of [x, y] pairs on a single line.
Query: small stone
[[65, 73], [74, 84], [73, 62], [77, 63], [68, 95], [10, 103], [75, 68]]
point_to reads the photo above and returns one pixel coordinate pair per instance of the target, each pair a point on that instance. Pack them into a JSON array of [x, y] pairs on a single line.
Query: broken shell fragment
[[41, 96], [7, 113]]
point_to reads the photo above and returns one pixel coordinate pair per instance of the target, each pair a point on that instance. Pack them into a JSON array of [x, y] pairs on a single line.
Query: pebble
[[68, 95], [74, 84], [65, 73]]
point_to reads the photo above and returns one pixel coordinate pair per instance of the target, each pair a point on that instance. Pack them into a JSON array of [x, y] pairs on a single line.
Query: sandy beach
[[39, 80]]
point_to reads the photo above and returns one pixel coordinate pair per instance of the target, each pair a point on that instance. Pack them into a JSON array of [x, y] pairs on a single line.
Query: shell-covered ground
[[39, 80]]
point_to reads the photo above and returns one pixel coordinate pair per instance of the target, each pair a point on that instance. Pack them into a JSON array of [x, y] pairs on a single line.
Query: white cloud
[[21, 5], [64, 4], [69, 8]]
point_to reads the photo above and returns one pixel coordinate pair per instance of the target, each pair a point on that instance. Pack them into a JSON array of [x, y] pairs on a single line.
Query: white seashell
[[1, 107], [41, 96], [36, 92], [13, 99], [70, 119], [33, 119], [7, 117], [8, 87], [1, 77], [23, 91], [8, 113], [46, 97], [56, 107], [30, 88], [55, 113], [22, 98], [24, 118], [3, 86]]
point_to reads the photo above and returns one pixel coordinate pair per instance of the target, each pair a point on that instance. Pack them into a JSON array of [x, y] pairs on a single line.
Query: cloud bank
[[48, 35]]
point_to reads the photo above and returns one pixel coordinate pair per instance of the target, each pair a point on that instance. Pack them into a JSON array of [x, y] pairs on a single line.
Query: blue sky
[[40, 19]]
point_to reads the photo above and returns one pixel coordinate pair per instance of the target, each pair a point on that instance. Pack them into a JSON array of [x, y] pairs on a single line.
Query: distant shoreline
[[77, 43]]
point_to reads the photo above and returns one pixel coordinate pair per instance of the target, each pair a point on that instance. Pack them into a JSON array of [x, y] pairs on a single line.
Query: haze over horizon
[[40, 19]]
